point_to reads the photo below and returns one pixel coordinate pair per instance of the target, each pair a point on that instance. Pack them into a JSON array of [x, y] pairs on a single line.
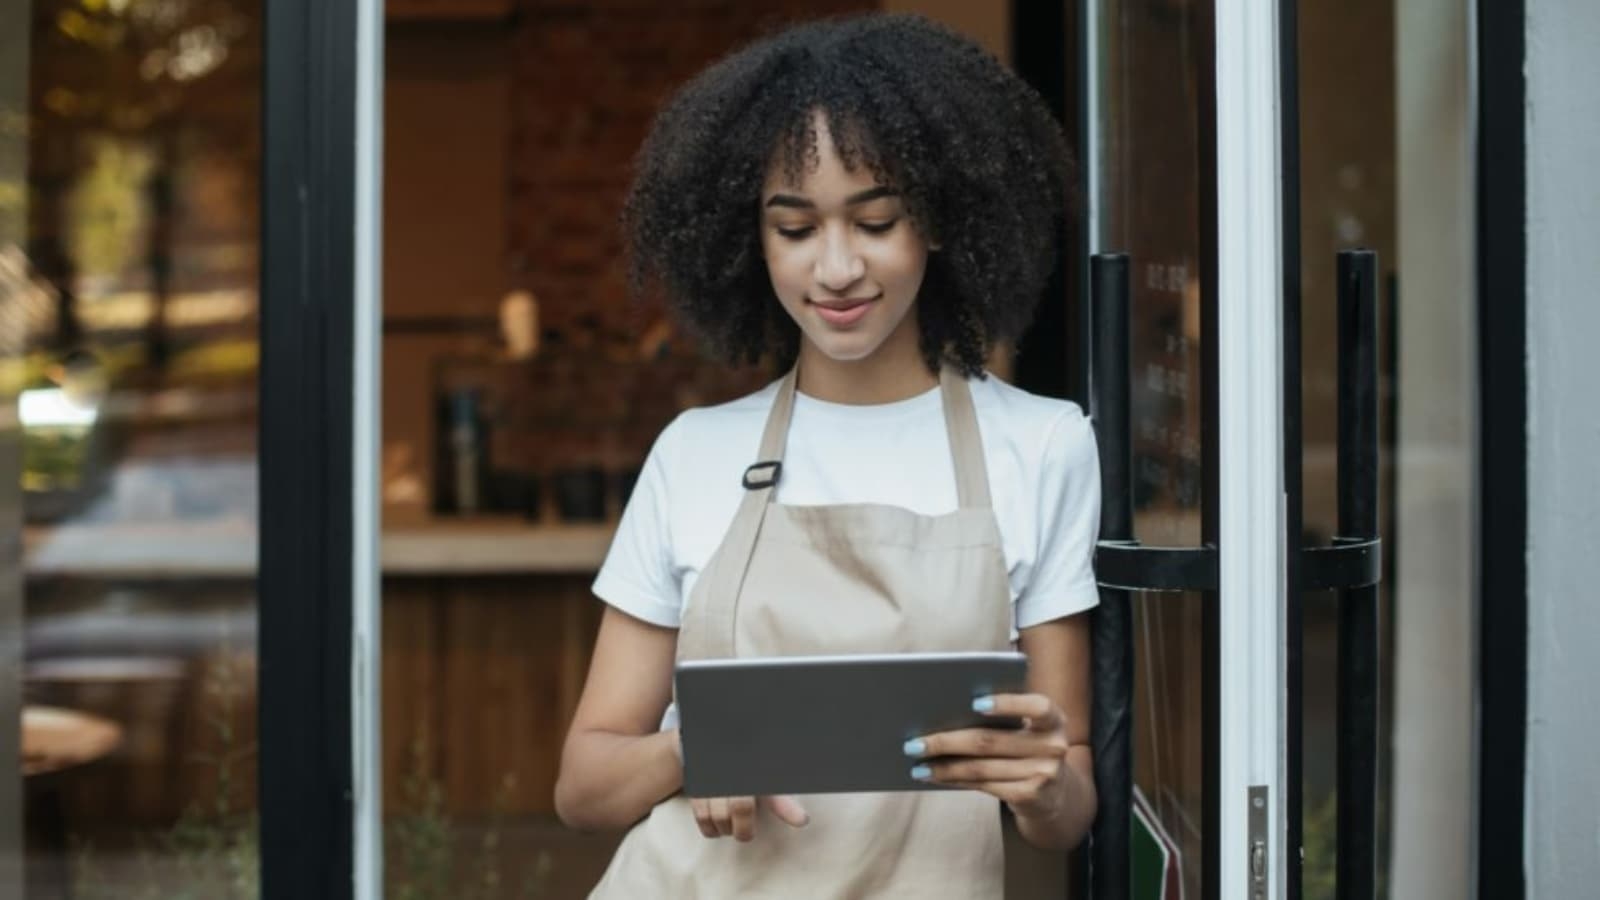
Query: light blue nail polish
[[983, 704], [915, 747], [921, 773]]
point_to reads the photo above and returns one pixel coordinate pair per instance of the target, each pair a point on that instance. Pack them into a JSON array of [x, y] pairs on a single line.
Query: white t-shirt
[[1044, 482]]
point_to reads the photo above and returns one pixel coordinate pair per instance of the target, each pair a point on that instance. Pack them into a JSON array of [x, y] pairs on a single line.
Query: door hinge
[[1259, 857]]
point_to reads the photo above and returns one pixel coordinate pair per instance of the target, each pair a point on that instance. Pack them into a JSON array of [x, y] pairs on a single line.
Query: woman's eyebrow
[[856, 199]]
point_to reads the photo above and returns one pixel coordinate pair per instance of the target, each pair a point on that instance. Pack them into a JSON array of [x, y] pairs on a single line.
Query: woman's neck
[[895, 371]]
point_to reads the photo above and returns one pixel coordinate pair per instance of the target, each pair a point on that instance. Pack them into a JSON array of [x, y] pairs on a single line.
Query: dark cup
[[580, 494], [516, 493]]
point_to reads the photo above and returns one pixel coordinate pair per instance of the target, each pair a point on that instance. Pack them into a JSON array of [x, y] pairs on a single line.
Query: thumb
[[787, 809]]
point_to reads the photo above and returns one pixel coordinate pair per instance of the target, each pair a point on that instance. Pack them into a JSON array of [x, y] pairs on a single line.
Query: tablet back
[[804, 725]]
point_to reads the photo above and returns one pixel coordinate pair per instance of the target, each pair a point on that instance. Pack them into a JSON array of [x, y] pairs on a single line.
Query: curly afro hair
[[979, 160]]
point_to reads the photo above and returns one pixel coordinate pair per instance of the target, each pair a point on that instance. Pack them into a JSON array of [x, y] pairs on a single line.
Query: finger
[[720, 816], [742, 811], [787, 809], [1037, 710], [987, 742], [968, 772], [702, 817], [1021, 791]]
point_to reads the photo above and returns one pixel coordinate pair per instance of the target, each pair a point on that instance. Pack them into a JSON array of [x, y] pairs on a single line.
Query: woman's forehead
[[822, 182], [823, 165]]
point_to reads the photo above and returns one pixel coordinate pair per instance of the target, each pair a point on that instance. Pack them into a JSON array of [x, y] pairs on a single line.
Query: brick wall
[[586, 80]]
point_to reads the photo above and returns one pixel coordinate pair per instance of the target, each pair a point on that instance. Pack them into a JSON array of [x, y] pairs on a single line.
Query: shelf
[[227, 549], [470, 548]]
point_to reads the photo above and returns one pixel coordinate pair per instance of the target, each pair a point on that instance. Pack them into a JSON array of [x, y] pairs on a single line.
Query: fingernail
[[983, 704], [915, 747], [921, 773]]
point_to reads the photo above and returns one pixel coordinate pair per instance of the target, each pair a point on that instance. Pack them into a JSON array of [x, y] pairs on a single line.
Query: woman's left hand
[[1026, 767]]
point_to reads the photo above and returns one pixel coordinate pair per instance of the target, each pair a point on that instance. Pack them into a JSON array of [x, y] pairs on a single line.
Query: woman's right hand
[[722, 816]]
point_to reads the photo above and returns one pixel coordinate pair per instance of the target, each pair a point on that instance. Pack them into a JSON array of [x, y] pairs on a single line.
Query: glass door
[[1182, 160], [1143, 153], [1221, 534]]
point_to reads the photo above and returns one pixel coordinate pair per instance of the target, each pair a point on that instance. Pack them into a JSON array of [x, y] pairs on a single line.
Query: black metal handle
[[1111, 726], [1121, 563], [1358, 606], [1351, 565]]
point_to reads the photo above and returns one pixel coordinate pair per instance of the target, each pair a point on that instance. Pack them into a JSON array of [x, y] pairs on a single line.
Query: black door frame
[[308, 209], [1502, 470]]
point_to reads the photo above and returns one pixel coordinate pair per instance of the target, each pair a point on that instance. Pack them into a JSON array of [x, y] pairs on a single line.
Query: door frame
[[1502, 466], [1251, 499], [318, 582]]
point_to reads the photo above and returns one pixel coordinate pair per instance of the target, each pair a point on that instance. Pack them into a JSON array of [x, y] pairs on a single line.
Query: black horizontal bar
[[1348, 563], [1128, 565]]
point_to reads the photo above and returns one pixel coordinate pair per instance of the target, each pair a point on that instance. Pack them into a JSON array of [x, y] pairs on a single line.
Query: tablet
[[827, 724]]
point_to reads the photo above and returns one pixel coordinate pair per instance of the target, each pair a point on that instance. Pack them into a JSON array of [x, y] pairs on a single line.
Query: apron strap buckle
[[763, 475]]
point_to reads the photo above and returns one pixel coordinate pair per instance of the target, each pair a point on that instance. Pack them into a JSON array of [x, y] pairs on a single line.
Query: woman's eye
[[794, 234], [878, 227]]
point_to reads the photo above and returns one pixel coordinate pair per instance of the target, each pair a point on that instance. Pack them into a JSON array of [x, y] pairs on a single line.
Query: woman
[[872, 202]]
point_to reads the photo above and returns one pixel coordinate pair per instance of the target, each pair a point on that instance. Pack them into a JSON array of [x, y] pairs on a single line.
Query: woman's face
[[845, 260]]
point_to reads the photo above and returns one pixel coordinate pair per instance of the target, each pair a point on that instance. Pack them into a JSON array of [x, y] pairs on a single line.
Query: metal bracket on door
[[1130, 566], [1347, 563]]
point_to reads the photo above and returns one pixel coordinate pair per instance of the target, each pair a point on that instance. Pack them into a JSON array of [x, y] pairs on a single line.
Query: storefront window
[[522, 388], [129, 153]]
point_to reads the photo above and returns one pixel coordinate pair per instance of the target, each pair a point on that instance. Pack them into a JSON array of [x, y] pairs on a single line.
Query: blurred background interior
[[522, 389]]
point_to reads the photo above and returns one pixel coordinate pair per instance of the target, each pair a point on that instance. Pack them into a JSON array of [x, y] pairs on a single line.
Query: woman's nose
[[839, 265]]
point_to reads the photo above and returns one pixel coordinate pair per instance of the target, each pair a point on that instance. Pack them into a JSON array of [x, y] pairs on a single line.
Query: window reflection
[[135, 384]]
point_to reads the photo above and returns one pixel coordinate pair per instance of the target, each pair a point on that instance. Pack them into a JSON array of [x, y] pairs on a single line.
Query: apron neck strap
[[960, 423], [776, 436], [966, 441]]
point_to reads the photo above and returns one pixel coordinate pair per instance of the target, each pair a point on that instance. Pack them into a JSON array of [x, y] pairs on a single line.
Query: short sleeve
[[638, 576], [1062, 579]]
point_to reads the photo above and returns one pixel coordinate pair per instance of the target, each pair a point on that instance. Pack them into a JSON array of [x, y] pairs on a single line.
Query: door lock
[[1257, 820]]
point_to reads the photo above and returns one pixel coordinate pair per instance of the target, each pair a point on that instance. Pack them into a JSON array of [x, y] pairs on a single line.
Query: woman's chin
[[845, 348]]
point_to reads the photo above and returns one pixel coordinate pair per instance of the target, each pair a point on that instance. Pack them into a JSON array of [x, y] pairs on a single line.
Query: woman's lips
[[843, 313]]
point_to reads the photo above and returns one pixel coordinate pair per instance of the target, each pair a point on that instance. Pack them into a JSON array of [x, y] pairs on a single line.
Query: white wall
[[1563, 778], [1431, 811]]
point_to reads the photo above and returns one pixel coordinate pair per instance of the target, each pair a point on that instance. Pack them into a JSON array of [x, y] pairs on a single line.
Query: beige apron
[[859, 578]]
